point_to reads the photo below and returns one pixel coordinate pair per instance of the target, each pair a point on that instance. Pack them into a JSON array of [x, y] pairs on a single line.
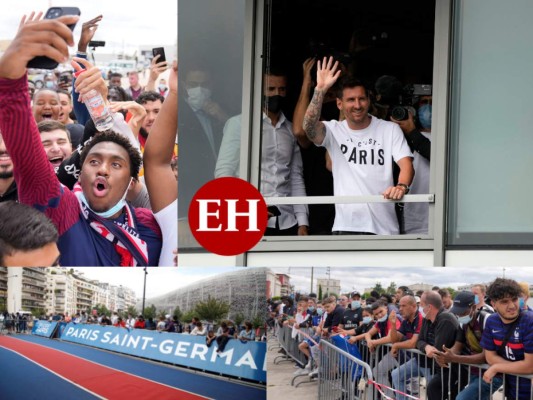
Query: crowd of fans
[[111, 196], [490, 327]]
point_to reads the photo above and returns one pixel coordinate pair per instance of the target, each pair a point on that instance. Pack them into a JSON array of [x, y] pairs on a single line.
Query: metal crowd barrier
[[290, 346], [408, 376], [342, 375]]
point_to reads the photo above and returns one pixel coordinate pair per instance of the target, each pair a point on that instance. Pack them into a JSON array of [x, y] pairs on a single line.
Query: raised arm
[[302, 104], [36, 180], [160, 179], [327, 74]]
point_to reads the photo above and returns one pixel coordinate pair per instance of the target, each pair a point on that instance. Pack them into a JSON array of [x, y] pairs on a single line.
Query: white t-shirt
[[167, 218], [416, 214], [362, 165]]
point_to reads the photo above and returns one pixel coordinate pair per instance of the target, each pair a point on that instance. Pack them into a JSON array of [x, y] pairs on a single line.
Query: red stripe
[[103, 381], [515, 346]]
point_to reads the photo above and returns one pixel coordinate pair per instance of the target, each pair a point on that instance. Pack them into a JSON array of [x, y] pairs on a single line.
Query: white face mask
[[197, 97]]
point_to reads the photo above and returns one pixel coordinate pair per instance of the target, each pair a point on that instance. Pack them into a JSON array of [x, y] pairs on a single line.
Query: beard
[[6, 174]]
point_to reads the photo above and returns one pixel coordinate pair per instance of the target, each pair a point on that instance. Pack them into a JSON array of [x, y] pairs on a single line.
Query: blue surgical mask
[[311, 309], [476, 299], [383, 319], [367, 320], [356, 304], [424, 116], [521, 303], [50, 85], [464, 320], [320, 311], [113, 210]]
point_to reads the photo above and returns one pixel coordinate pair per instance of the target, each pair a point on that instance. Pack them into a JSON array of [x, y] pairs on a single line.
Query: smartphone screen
[[52, 13], [161, 52]]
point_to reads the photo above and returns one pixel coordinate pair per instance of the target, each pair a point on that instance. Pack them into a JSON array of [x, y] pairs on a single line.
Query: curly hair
[[110, 136], [502, 288]]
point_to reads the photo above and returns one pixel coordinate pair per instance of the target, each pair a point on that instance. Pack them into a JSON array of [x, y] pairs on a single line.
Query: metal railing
[[342, 375]]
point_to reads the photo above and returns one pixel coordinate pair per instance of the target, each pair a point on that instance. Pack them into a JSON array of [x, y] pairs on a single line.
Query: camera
[[96, 43], [408, 99]]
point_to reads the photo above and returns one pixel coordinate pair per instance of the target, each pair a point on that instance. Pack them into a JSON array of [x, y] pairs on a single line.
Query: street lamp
[[144, 289]]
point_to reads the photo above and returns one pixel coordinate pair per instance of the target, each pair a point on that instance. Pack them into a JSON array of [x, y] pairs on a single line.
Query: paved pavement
[[280, 375]]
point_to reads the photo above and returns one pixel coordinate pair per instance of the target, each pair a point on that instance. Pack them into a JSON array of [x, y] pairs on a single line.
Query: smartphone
[[43, 62], [161, 52], [274, 211]]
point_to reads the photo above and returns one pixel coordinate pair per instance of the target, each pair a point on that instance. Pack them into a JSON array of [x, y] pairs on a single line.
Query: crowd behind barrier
[[352, 371]]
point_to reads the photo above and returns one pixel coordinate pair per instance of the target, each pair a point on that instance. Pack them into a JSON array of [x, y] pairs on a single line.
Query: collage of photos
[[353, 219]]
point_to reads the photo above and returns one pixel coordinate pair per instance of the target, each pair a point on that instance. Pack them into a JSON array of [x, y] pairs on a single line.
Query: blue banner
[[243, 360], [43, 328]]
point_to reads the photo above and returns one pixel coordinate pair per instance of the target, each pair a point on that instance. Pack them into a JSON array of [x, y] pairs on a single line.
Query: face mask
[[320, 311], [356, 305], [311, 309], [329, 111], [50, 85], [274, 103], [521, 303], [476, 299], [162, 87], [383, 319], [197, 97], [367, 320], [113, 210], [424, 116], [422, 312], [464, 320]]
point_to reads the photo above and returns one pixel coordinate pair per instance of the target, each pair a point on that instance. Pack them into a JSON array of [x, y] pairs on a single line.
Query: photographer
[[419, 139], [410, 107]]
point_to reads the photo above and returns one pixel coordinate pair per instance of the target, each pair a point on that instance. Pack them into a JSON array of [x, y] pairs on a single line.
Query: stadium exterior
[[244, 290]]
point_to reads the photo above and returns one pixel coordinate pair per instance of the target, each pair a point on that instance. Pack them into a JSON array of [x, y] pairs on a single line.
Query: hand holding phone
[[161, 52], [37, 38], [44, 62]]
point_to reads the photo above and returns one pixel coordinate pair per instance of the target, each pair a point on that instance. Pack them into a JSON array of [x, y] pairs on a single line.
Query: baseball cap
[[462, 302], [355, 293]]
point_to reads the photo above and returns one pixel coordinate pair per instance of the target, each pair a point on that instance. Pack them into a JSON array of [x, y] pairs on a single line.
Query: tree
[[131, 310], [101, 309], [187, 317], [320, 292], [239, 318], [378, 288], [212, 309], [177, 313], [392, 288], [452, 291], [150, 312]]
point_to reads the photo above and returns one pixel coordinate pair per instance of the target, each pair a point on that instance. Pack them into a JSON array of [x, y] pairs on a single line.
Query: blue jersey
[[520, 342]]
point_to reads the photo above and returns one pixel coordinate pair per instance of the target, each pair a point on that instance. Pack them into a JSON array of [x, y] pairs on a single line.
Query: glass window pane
[[210, 54], [374, 41], [491, 141]]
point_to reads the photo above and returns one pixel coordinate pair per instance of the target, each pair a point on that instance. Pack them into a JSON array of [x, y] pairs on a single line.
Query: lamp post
[[144, 289]]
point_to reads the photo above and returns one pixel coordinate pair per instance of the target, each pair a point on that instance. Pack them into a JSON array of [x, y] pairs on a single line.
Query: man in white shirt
[[281, 161], [362, 149]]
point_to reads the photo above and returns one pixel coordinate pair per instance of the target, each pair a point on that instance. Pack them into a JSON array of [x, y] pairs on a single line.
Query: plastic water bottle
[[100, 114], [103, 120]]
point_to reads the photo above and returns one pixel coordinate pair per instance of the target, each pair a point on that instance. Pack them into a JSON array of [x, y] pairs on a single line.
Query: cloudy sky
[[124, 23], [361, 278], [158, 281]]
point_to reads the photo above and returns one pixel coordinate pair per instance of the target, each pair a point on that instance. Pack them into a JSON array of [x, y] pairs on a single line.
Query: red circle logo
[[228, 216]]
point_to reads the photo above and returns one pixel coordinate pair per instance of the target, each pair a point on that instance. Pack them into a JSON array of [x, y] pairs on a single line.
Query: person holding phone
[[96, 226], [158, 65]]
